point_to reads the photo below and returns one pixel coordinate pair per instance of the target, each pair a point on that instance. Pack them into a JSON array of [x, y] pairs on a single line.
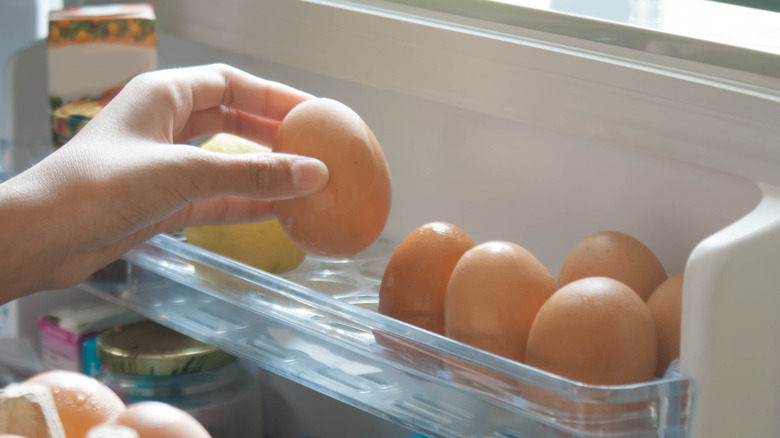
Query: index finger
[[221, 84]]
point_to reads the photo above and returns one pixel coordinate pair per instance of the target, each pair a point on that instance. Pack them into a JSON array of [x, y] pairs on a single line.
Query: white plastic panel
[[730, 345]]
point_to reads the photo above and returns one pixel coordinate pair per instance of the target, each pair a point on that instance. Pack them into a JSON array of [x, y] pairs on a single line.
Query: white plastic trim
[[702, 114], [730, 344]]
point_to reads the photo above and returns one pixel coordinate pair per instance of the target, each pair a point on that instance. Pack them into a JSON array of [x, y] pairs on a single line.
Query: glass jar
[[147, 361]]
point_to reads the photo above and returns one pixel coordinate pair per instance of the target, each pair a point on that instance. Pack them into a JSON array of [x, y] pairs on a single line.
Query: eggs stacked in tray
[[611, 317]]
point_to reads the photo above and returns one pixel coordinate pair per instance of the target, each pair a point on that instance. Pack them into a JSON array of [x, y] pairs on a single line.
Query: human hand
[[127, 176]]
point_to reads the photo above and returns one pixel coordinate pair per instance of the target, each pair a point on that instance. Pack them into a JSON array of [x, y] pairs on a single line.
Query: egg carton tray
[[318, 326]]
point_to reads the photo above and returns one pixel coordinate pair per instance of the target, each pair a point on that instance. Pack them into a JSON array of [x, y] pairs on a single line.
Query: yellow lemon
[[232, 144], [263, 245]]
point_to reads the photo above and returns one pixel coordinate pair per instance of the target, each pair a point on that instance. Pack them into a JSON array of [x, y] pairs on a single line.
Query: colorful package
[[93, 51], [68, 335]]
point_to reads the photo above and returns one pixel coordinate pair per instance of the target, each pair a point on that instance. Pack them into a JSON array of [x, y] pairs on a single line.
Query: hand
[[127, 176]]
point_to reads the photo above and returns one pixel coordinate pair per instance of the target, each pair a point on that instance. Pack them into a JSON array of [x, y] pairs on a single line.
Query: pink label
[[59, 348], [53, 331]]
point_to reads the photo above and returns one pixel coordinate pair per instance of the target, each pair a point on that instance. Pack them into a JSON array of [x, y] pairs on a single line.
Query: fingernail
[[309, 174]]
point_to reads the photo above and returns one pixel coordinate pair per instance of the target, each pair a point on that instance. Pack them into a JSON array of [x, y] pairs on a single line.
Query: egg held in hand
[[493, 295], [415, 280], [615, 255], [349, 214], [82, 401], [263, 245], [595, 330], [665, 305]]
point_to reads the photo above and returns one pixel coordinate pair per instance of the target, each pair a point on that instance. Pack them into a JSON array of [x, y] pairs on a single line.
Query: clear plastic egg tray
[[318, 326]]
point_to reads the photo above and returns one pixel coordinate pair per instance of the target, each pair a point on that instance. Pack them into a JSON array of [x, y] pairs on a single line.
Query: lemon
[[263, 245], [232, 144]]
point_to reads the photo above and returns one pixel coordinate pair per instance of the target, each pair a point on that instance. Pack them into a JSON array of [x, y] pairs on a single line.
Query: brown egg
[[615, 255], [110, 430], [28, 409], [82, 401], [665, 305], [415, 279], [493, 295], [153, 419], [594, 330], [349, 214]]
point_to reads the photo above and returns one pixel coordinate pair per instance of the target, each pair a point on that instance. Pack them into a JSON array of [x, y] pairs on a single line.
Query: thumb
[[266, 175]]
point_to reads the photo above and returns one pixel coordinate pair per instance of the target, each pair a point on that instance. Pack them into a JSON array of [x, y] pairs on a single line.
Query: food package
[[93, 51], [68, 335]]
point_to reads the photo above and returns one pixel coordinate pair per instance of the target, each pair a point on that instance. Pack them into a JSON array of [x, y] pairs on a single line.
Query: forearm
[[43, 221], [22, 238]]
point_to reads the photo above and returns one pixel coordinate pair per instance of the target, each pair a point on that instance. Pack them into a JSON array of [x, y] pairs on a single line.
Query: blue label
[[91, 363]]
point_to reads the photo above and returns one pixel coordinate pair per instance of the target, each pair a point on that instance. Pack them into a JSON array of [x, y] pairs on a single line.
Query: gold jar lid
[[150, 349]]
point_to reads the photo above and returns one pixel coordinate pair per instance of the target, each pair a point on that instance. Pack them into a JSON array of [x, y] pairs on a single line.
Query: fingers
[[184, 103], [245, 92], [206, 174], [223, 119], [220, 85]]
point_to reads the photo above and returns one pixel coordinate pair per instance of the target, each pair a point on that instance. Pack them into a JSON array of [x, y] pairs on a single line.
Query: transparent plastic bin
[[334, 342]]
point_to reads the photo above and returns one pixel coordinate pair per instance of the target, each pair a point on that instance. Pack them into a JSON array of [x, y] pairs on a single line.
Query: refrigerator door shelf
[[393, 370]]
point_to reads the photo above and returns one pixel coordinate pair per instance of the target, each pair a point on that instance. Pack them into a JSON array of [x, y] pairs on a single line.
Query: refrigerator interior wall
[[500, 180], [542, 185], [21, 24]]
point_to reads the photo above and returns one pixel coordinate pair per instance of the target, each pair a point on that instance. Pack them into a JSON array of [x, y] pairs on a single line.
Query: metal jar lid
[[150, 349]]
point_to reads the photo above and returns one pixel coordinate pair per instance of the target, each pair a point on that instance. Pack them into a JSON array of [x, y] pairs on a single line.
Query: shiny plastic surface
[[318, 327]]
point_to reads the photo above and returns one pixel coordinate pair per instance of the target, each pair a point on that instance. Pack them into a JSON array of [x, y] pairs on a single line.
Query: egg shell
[[493, 295], [349, 214], [110, 430], [665, 305], [82, 401], [153, 419], [595, 330], [415, 280], [615, 255], [28, 409]]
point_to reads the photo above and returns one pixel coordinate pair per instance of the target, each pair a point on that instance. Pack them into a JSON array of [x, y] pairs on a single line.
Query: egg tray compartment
[[317, 325]]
